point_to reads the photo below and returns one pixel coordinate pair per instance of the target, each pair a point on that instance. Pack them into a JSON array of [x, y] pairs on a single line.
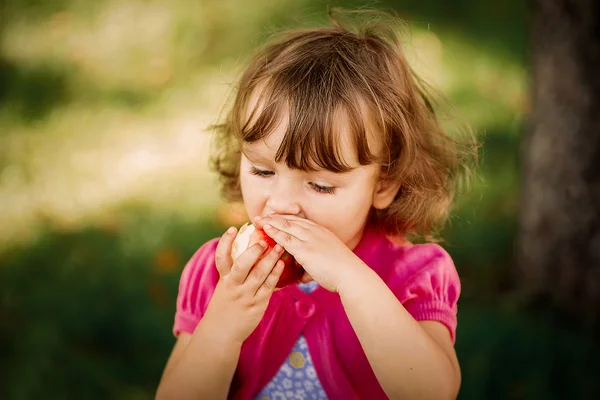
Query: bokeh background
[[106, 193]]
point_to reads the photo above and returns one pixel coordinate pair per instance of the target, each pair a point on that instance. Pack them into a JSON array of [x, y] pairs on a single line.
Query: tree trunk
[[559, 238]]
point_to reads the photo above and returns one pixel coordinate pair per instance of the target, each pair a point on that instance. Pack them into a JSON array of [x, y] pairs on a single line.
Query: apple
[[249, 235]]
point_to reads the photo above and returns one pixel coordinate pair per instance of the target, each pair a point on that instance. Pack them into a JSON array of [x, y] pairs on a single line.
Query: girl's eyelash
[[323, 189], [318, 188], [260, 172]]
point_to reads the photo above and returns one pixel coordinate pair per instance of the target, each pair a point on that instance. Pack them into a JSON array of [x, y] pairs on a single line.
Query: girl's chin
[[306, 278]]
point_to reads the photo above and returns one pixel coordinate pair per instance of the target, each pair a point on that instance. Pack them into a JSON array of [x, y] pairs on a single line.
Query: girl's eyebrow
[[334, 174]]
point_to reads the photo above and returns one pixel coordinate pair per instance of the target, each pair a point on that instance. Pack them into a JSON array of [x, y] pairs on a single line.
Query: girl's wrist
[[215, 332], [354, 280]]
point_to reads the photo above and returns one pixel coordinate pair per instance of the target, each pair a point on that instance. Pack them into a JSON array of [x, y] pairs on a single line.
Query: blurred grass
[[106, 192], [87, 313]]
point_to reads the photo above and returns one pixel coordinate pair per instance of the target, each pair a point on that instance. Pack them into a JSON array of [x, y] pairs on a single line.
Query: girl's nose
[[282, 200]]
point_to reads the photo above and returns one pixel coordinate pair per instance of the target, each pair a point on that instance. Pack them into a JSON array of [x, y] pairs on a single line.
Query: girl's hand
[[326, 259], [244, 288]]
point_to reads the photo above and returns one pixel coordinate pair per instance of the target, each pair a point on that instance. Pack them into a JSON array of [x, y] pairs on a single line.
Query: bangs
[[321, 121]]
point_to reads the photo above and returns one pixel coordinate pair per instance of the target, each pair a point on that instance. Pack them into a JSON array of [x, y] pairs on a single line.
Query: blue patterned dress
[[297, 378]]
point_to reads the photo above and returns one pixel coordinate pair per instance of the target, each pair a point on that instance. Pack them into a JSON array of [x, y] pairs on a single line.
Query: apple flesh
[[249, 235]]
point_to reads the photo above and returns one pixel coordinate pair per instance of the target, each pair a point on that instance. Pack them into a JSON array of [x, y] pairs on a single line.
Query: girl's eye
[[323, 189], [261, 172]]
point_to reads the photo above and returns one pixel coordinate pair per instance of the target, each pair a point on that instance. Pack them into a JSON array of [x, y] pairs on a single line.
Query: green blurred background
[[106, 191]]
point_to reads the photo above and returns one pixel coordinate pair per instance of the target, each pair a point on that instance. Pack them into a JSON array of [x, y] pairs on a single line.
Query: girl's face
[[338, 201]]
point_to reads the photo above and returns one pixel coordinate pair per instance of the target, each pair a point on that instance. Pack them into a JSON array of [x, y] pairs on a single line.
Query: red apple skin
[[292, 271]]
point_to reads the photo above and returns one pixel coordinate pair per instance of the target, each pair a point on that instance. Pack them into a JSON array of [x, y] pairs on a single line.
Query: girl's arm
[[201, 365], [412, 360]]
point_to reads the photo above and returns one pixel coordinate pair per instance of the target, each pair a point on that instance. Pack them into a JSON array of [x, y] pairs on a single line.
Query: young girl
[[337, 154]]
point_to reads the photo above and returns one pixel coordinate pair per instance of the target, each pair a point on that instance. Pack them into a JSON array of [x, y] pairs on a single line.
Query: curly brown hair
[[308, 76]]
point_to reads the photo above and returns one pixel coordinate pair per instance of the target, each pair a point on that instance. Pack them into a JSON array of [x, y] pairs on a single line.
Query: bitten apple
[[249, 235]]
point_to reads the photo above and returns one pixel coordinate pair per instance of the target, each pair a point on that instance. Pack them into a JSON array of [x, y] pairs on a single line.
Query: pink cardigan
[[422, 277]]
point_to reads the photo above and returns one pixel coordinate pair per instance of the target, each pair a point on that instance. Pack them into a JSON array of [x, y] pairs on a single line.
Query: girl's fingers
[[293, 225], [268, 286], [263, 268], [243, 264], [288, 226], [285, 236], [297, 227], [223, 251], [301, 221]]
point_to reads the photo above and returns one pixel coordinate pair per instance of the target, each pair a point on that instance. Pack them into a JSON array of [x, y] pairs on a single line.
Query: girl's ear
[[385, 191]]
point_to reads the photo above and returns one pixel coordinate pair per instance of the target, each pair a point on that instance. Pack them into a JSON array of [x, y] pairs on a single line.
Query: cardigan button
[[305, 310]]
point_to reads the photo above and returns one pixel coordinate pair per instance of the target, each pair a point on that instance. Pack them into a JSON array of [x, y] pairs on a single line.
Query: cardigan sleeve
[[425, 280], [196, 287]]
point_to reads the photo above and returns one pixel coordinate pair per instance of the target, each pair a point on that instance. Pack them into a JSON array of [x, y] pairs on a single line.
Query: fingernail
[[262, 243], [278, 248], [231, 230], [257, 218]]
